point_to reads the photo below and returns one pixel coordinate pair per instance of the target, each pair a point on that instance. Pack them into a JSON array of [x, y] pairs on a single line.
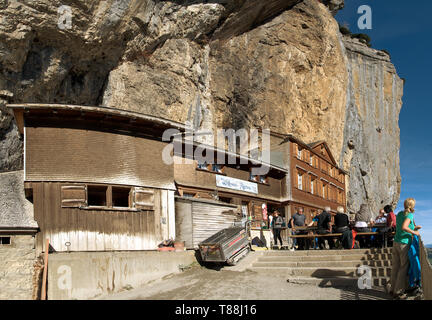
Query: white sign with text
[[236, 184]]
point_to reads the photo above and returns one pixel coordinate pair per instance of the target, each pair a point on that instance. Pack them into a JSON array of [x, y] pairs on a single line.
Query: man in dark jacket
[[341, 225], [324, 227]]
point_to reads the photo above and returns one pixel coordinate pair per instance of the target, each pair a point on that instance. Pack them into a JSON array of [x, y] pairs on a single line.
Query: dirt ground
[[200, 283]]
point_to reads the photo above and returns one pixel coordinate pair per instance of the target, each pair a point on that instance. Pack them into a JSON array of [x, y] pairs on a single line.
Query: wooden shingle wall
[[95, 229], [78, 155]]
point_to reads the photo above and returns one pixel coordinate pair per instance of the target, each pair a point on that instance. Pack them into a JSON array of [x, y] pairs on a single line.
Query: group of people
[[340, 224], [402, 225], [324, 224]]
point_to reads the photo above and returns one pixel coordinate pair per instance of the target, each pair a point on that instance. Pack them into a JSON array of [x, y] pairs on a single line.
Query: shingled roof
[[16, 212]]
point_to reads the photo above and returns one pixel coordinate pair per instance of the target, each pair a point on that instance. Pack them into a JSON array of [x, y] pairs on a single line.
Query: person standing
[[391, 217], [299, 220], [324, 227], [405, 229], [277, 227], [391, 224], [270, 220]]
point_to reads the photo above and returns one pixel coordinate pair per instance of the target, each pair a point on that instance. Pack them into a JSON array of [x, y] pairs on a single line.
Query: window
[[217, 168], [300, 181], [202, 166], [340, 196], [188, 195], [245, 209], [106, 197], [226, 200], [97, 196], [311, 160], [312, 186], [260, 179], [299, 153], [324, 191], [120, 197], [5, 240]]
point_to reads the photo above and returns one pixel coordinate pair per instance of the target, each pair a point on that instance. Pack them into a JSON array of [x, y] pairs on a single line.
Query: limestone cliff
[[371, 136], [280, 64]]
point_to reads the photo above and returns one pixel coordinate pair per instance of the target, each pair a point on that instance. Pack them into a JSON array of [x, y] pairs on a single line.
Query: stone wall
[[86, 275], [426, 273], [16, 268]]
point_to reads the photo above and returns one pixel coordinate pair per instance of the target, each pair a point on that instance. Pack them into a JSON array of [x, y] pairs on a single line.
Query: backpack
[[290, 223]]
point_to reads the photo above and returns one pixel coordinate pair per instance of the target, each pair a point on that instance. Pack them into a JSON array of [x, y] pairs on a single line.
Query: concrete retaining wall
[[16, 268], [85, 275], [426, 273]]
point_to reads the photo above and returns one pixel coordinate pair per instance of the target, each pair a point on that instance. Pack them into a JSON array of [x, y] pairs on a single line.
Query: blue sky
[[404, 29]]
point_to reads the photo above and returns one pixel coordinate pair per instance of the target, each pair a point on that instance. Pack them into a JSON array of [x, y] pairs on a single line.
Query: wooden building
[[98, 182], [96, 177], [299, 175], [315, 180], [230, 191]]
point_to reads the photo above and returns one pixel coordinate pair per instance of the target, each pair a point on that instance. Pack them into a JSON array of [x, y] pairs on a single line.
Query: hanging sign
[[236, 184]]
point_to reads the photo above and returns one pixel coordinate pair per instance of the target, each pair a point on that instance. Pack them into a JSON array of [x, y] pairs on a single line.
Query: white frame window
[[300, 181], [299, 152]]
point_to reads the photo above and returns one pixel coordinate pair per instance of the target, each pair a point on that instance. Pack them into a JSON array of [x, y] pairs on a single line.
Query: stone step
[[327, 252], [321, 272], [337, 281], [350, 257], [322, 264]]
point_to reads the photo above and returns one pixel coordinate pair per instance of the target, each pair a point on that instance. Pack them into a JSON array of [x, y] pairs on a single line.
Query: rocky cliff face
[[280, 64], [371, 136]]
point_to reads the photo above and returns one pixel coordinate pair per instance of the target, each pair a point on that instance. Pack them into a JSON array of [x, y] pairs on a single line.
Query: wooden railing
[[426, 272]]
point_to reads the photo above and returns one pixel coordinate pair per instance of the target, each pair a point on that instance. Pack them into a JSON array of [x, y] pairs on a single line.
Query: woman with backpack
[[405, 230]]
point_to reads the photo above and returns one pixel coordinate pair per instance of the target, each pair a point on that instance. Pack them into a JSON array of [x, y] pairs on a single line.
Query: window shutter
[[73, 196], [257, 212], [143, 198]]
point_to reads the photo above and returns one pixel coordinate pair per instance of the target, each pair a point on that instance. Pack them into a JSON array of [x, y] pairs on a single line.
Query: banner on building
[[236, 184]]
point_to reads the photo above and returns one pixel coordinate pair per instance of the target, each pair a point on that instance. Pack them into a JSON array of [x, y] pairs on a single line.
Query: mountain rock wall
[[372, 136], [278, 64]]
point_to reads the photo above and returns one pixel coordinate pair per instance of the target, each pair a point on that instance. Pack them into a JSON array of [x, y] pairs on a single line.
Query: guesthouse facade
[[97, 180]]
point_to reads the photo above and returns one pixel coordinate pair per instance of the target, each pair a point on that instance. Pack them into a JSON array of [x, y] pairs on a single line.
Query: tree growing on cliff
[[344, 29]]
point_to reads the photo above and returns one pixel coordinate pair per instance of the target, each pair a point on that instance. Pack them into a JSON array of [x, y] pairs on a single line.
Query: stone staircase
[[327, 267]]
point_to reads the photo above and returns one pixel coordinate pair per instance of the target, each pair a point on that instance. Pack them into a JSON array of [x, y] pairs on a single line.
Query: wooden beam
[[45, 271]]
